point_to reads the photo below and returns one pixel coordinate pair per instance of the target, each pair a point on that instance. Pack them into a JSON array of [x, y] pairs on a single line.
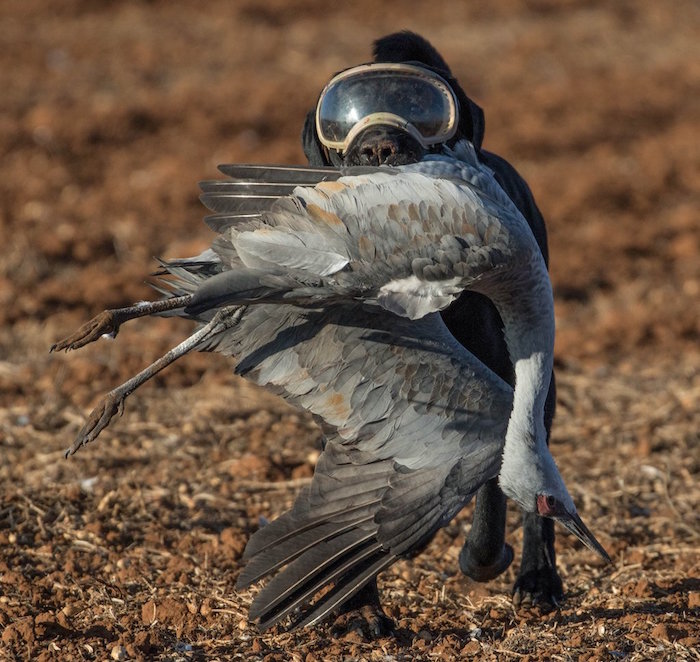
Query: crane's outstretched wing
[[414, 425], [406, 240]]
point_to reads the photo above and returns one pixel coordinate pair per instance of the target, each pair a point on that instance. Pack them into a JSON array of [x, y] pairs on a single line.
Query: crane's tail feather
[[199, 267]]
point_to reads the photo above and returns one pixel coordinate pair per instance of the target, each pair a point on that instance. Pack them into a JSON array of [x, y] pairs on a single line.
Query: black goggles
[[406, 96]]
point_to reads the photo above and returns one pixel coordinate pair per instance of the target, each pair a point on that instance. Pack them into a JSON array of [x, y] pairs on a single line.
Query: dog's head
[[391, 112]]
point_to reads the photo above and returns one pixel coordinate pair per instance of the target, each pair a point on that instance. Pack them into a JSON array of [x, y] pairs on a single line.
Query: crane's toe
[[103, 324], [111, 405], [539, 586], [369, 622], [363, 615]]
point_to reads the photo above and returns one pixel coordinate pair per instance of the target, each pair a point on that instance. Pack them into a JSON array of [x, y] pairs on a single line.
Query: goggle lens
[[414, 95]]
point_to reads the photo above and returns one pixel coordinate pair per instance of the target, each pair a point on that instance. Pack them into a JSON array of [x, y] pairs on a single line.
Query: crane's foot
[[112, 403], [369, 621], [363, 614], [484, 572], [104, 323], [109, 321], [540, 588]]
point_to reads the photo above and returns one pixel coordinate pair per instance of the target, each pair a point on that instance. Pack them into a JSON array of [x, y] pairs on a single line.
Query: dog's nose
[[377, 152], [384, 145]]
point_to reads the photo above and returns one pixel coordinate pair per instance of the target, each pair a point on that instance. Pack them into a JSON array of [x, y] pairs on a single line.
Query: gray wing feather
[[296, 175], [290, 175], [298, 250], [329, 561], [242, 187], [358, 577], [243, 203]]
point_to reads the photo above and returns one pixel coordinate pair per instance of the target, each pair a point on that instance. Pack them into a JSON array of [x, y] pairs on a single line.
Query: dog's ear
[[312, 146]]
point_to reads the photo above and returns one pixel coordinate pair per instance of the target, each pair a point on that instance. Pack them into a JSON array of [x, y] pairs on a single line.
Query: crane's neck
[[528, 318], [532, 377]]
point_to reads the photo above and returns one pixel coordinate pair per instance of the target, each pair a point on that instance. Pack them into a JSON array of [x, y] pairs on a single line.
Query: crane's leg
[[109, 321], [538, 581], [113, 402]]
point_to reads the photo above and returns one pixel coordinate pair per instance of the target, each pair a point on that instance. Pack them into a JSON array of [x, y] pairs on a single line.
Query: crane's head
[[532, 479]]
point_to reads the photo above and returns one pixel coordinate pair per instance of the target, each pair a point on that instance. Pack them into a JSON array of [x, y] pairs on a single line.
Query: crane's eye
[[551, 502]]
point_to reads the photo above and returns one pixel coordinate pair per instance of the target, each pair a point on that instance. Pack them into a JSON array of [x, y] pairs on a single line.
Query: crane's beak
[[574, 524]]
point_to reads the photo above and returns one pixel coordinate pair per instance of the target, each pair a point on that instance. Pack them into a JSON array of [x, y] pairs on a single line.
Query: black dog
[[474, 321]]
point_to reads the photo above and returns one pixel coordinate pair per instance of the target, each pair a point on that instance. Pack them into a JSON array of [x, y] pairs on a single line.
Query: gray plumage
[[328, 296]]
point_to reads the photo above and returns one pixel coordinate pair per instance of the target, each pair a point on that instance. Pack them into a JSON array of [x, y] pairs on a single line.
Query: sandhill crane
[[324, 284]]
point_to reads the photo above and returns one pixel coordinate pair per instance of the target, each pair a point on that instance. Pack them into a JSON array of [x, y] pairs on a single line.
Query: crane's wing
[[414, 426], [409, 239]]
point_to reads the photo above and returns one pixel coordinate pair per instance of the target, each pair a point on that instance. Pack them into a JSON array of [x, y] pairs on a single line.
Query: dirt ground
[[110, 112]]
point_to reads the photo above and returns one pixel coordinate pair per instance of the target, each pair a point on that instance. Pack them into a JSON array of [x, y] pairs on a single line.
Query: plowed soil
[[110, 112]]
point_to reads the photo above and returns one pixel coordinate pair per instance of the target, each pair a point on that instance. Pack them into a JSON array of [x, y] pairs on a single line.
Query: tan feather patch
[[337, 406], [367, 248], [317, 214], [331, 187]]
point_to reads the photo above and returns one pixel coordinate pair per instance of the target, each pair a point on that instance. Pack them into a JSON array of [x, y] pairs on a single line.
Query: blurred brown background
[[110, 112]]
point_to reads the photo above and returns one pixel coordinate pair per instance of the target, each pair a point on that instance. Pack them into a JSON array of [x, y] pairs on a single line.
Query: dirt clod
[[118, 653]]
